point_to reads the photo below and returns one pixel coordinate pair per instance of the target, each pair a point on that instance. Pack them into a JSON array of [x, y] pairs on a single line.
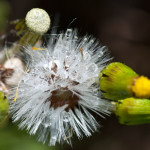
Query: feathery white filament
[[71, 64]]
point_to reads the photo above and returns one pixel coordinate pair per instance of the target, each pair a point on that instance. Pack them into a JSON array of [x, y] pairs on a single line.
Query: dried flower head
[[5, 73], [18, 68], [59, 91]]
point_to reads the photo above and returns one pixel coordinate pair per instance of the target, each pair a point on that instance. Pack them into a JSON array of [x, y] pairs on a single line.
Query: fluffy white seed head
[[56, 97], [37, 20]]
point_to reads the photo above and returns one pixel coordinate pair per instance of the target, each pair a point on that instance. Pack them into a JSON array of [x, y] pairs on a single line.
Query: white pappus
[[59, 91]]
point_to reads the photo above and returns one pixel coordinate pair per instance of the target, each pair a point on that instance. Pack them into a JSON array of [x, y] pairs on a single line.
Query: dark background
[[124, 27]]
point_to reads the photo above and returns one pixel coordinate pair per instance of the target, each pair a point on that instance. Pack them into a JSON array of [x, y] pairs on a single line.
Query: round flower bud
[[37, 20]]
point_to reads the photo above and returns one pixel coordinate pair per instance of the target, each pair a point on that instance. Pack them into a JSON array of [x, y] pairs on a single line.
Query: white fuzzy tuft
[[70, 63]]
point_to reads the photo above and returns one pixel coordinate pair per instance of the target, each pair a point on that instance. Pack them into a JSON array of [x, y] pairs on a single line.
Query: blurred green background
[[122, 25], [13, 139]]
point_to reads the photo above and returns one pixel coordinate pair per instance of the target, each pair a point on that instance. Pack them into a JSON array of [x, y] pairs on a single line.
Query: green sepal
[[116, 80], [4, 108], [132, 111]]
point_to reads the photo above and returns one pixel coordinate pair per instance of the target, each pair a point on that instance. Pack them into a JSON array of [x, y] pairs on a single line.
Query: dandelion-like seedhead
[[60, 89]]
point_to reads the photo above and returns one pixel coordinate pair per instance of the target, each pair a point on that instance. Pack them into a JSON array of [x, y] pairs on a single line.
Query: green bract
[[4, 107], [132, 111], [116, 80]]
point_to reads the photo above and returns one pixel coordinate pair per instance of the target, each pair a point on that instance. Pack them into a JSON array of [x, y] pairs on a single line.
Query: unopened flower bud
[[116, 81], [31, 29], [133, 111], [37, 20]]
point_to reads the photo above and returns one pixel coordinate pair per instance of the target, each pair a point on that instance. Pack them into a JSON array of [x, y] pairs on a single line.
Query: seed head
[[56, 97]]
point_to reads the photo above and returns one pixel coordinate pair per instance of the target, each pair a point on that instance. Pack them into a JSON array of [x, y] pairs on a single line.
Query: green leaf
[[4, 107], [13, 139]]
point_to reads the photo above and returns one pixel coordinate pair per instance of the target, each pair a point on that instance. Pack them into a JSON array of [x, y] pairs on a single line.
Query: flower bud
[[116, 81], [37, 20], [30, 30], [133, 111]]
